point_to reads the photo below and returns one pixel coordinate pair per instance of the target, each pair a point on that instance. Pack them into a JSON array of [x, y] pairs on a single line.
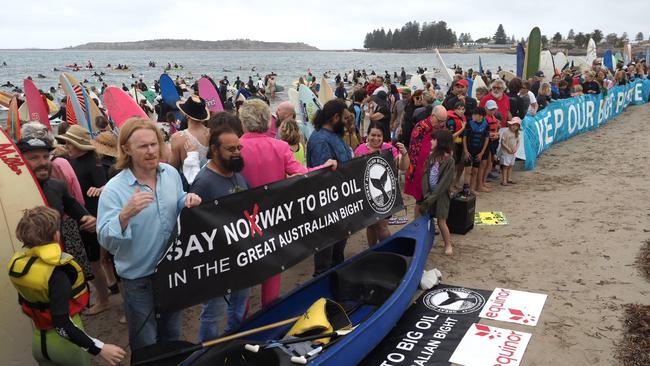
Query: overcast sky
[[326, 24]]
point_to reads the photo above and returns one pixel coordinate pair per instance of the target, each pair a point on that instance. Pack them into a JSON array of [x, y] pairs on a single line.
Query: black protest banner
[[431, 328], [242, 239]]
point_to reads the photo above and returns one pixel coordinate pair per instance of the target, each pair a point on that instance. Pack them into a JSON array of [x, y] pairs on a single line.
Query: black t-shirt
[[518, 107], [385, 121], [58, 198], [90, 173], [590, 86]]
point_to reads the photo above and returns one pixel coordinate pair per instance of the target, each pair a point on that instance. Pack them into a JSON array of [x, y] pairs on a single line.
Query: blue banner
[[565, 118]]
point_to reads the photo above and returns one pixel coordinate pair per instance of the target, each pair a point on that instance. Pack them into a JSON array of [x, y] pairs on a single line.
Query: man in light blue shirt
[[137, 213]]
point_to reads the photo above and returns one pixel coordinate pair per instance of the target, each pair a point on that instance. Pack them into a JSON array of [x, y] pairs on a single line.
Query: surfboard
[[209, 93], [560, 61], [618, 57], [168, 91], [415, 83], [546, 64], [53, 107], [608, 60], [13, 119], [121, 106], [647, 54], [627, 53], [5, 98], [295, 100], [35, 104], [533, 51], [478, 82], [325, 93], [446, 73], [308, 103], [507, 75], [591, 52], [75, 100], [18, 191], [91, 109], [137, 95]]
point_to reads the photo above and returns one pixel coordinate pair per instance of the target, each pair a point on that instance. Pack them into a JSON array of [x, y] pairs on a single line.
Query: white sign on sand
[[514, 306], [483, 345]]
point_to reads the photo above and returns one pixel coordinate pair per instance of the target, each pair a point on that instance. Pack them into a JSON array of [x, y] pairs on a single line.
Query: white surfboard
[[477, 83], [591, 52], [546, 64], [560, 60], [18, 191], [447, 74], [325, 93]]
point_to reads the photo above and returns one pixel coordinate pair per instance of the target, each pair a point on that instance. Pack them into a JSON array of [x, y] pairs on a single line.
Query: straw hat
[[77, 136], [194, 107], [105, 144]]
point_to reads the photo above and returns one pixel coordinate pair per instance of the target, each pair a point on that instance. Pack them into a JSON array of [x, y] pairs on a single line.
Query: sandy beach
[[576, 224]]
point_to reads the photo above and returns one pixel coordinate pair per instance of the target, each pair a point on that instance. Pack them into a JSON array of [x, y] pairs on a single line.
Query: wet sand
[[576, 224]]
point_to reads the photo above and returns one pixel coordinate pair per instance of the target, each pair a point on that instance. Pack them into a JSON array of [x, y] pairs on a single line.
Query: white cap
[[491, 104]]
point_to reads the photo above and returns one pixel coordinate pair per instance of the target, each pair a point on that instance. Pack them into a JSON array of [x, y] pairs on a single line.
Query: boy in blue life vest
[[475, 143], [52, 292]]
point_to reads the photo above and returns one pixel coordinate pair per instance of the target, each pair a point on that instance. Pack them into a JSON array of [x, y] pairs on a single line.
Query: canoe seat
[[360, 281]]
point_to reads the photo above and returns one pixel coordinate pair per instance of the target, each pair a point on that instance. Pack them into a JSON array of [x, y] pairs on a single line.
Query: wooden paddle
[[206, 344]]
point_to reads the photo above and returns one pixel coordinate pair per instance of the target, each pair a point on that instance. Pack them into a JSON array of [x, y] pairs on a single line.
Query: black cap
[[31, 144], [381, 95], [539, 74]]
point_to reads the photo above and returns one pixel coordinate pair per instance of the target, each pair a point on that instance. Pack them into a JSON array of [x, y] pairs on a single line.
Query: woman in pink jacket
[[266, 160]]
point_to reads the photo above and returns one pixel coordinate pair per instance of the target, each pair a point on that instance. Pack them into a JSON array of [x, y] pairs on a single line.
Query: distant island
[[191, 44]]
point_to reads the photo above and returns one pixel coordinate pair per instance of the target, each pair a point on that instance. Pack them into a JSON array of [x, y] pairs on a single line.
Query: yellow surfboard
[[18, 191]]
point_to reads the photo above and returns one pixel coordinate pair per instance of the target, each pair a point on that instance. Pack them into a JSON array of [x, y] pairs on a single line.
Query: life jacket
[[324, 316], [458, 121], [493, 123], [30, 273]]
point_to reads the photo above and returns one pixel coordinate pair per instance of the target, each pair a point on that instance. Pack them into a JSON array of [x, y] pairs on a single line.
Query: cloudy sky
[[326, 24]]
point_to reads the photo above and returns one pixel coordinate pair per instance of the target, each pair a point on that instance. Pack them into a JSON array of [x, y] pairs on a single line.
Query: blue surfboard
[[309, 103], [169, 94], [521, 55], [608, 60]]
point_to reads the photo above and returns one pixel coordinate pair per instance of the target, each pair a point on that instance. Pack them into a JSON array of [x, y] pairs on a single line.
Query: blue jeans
[[144, 328], [213, 311]]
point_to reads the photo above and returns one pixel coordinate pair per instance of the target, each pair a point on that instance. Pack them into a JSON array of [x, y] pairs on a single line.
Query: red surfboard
[[35, 104], [120, 106]]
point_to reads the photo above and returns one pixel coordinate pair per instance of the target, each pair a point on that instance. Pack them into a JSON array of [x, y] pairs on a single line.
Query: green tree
[[571, 34], [639, 37], [483, 40], [580, 40], [500, 36], [612, 39], [597, 35], [557, 37]]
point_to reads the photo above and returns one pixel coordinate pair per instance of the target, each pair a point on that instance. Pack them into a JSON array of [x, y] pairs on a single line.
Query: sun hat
[[515, 121], [105, 144], [77, 136], [194, 107]]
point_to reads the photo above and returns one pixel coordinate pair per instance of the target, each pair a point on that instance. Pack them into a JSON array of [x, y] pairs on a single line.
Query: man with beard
[[37, 153], [268, 160], [326, 144], [221, 177], [459, 94], [497, 94], [136, 215]]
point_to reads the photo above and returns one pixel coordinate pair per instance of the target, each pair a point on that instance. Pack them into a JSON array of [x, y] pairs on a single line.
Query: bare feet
[[483, 189], [512, 182], [122, 319], [449, 250], [504, 184], [97, 308]]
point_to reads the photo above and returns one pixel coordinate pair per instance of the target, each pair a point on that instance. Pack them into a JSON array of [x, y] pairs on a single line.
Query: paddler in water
[[52, 292]]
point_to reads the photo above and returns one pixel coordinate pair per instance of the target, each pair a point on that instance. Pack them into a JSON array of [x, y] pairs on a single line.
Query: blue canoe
[[389, 273]]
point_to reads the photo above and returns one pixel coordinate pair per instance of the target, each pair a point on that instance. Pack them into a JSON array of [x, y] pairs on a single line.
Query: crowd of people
[[107, 209]]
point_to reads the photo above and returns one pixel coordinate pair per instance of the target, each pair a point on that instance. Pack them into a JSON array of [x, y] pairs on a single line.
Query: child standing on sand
[[436, 181], [509, 146], [475, 142]]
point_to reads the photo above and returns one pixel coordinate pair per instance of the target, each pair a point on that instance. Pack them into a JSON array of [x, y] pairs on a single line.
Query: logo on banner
[[455, 300], [380, 185]]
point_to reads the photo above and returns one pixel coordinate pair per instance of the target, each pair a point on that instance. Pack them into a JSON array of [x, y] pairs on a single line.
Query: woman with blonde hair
[[290, 133]]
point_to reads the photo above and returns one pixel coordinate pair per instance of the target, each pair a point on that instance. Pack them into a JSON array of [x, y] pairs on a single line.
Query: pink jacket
[[62, 170], [267, 160]]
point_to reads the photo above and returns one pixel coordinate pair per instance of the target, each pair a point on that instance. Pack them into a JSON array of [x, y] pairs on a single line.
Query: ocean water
[[288, 65]]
